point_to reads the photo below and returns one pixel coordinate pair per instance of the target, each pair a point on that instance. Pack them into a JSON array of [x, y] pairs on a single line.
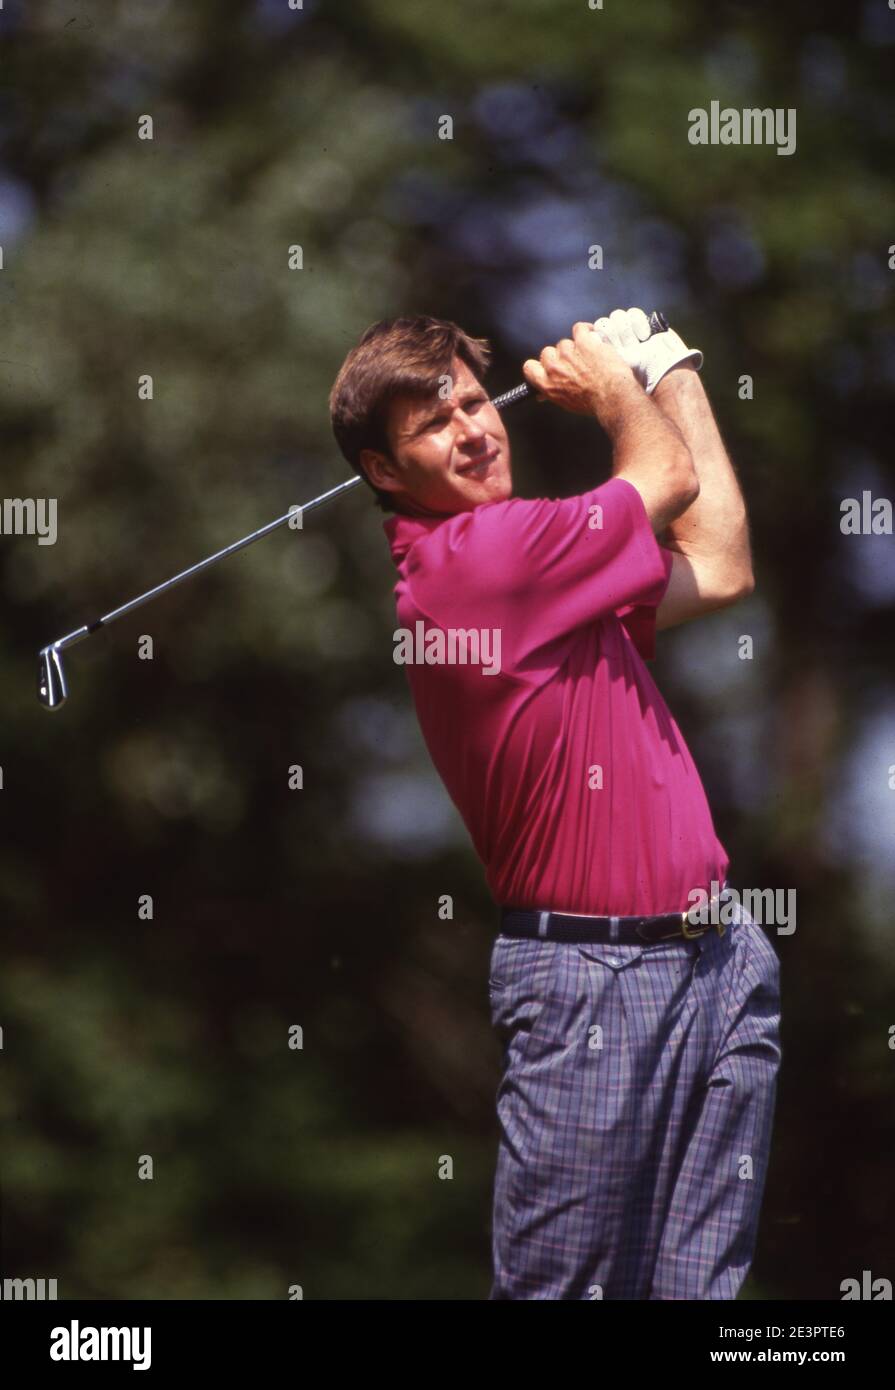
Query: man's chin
[[465, 500], [498, 489], [482, 496]]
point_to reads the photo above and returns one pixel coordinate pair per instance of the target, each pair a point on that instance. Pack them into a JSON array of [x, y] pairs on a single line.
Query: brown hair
[[394, 357]]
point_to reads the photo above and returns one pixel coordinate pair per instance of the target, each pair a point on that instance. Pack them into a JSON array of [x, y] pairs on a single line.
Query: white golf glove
[[649, 355]]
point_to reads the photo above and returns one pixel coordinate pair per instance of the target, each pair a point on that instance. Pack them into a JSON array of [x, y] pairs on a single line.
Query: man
[[640, 1051]]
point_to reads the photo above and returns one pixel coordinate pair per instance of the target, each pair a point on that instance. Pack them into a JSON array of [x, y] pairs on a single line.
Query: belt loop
[[613, 929], [543, 921]]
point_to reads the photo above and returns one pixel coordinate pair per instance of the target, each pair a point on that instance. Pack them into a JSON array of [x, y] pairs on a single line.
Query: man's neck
[[410, 507]]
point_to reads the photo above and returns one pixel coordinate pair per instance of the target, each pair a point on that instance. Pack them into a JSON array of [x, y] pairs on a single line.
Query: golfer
[[640, 1051]]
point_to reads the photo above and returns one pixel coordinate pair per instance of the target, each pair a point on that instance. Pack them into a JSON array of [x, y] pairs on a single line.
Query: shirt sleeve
[[639, 619], [539, 569]]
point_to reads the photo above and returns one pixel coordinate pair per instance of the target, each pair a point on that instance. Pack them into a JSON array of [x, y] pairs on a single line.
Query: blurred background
[[276, 127]]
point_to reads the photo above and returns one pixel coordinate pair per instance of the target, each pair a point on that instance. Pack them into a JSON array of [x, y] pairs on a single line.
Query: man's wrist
[[678, 380], [614, 409]]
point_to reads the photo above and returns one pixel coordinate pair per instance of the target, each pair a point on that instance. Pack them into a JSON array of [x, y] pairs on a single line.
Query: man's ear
[[381, 470]]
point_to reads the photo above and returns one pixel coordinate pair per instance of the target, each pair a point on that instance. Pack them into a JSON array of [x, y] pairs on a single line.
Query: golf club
[[52, 688]]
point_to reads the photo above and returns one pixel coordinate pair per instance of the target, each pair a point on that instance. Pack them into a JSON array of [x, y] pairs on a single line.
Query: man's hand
[[586, 376], [649, 355]]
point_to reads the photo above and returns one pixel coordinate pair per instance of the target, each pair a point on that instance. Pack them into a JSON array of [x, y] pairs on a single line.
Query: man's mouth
[[480, 467]]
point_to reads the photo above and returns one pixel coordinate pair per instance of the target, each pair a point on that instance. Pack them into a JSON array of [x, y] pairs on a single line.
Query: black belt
[[611, 931]]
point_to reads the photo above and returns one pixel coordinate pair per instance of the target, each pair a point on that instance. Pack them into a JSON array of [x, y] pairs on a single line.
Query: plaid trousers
[[635, 1114]]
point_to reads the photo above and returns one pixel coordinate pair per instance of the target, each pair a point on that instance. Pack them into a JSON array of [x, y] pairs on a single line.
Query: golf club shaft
[[72, 638]]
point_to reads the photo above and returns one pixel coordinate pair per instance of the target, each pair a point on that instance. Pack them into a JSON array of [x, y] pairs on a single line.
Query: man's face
[[446, 455]]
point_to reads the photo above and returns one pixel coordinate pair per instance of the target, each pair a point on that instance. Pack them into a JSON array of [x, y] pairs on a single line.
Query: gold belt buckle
[[687, 927], [674, 935], [690, 932]]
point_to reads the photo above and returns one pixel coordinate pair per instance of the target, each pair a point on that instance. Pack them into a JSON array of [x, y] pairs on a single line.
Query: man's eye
[[476, 401]]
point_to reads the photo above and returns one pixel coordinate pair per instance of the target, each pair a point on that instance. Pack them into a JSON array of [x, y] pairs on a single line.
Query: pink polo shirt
[[566, 765]]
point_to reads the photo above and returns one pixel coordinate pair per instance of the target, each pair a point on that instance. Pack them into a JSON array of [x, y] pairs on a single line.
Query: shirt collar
[[402, 531]]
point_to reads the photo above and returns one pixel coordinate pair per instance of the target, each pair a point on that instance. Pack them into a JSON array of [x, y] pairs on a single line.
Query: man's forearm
[[715, 526], [648, 451]]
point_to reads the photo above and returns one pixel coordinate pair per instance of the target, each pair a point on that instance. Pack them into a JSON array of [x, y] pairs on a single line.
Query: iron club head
[[51, 687]]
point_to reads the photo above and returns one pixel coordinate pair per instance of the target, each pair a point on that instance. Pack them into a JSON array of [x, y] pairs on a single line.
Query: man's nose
[[468, 428]]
